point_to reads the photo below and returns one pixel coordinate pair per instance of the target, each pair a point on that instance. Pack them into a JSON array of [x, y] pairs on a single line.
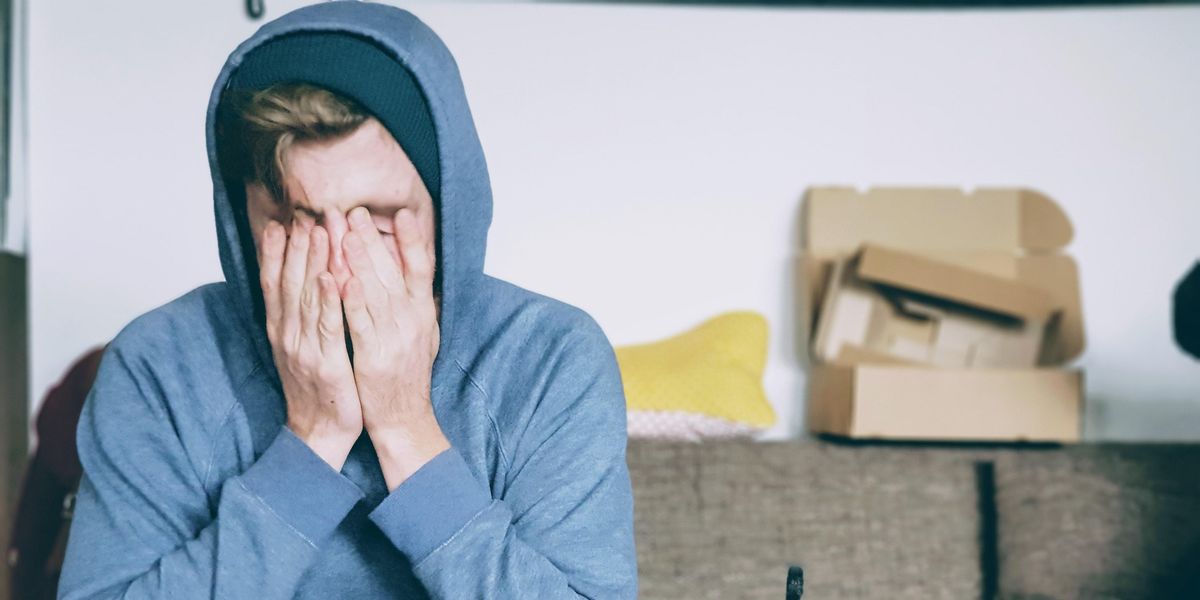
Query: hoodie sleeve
[[564, 526], [144, 527]]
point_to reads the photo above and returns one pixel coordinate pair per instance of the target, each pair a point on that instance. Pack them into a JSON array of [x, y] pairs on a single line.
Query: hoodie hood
[[463, 205]]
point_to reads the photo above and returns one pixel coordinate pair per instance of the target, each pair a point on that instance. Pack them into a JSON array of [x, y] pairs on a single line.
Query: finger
[[415, 253], [310, 311], [375, 296], [310, 300], [358, 318], [270, 264], [384, 264], [318, 255], [329, 328], [295, 266]]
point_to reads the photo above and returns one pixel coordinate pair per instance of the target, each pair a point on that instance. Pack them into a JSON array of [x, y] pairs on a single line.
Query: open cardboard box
[[1006, 246], [888, 305]]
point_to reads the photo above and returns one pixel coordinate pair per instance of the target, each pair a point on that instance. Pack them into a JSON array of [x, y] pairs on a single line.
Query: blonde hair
[[260, 125]]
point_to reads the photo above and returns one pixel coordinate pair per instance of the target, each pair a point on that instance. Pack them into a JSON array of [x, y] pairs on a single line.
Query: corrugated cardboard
[[915, 403], [911, 307], [1015, 235], [947, 280]]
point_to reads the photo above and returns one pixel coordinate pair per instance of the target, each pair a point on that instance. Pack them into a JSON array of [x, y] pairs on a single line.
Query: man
[[358, 411]]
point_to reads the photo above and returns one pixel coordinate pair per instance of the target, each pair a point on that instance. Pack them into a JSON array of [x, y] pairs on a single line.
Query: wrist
[[404, 450], [332, 446]]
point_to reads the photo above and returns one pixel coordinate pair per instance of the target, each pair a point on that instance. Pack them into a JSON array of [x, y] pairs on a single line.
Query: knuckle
[[327, 328], [306, 364], [293, 363]]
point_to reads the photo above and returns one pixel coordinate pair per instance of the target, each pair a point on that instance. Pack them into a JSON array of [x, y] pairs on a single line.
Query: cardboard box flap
[[973, 288], [1044, 226], [837, 220]]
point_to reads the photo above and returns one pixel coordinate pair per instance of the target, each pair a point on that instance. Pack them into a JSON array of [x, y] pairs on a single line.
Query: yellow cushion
[[704, 382]]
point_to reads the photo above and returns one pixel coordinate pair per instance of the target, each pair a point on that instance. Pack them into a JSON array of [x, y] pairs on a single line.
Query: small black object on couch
[[795, 582]]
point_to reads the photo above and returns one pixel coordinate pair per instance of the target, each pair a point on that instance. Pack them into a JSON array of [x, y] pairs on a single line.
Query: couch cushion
[[1109, 521], [724, 519]]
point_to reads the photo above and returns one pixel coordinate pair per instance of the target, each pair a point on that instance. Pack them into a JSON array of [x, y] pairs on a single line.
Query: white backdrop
[[648, 161]]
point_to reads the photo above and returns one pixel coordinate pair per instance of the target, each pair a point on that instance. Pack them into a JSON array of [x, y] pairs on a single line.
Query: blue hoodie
[[194, 487]]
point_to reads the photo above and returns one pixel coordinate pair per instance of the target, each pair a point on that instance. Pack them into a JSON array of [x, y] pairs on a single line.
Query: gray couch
[[726, 519]]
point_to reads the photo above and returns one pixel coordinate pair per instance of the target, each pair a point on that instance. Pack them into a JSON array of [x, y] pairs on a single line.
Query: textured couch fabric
[[725, 519], [1100, 522]]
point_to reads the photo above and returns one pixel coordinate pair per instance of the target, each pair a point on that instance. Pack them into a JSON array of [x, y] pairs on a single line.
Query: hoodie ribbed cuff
[[431, 505], [300, 487]]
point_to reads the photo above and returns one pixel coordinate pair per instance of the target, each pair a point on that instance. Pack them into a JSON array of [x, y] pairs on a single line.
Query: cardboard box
[[914, 403], [911, 308], [1000, 249]]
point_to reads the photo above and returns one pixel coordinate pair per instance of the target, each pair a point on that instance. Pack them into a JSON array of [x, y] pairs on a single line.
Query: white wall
[[648, 161]]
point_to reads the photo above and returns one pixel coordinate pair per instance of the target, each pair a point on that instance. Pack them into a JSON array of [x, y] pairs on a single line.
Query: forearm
[[214, 564], [287, 502], [488, 559], [464, 544]]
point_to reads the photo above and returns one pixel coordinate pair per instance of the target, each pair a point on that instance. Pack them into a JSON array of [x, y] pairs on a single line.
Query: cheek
[[256, 223], [258, 216]]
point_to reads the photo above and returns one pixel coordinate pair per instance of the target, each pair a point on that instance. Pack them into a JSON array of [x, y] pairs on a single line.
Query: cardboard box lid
[[837, 220], [977, 289]]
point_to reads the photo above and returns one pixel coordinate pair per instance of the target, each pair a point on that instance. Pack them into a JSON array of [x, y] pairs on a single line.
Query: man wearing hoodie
[[357, 411]]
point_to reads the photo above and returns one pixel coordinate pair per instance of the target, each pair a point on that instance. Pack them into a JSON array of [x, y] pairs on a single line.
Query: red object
[[40, 525]]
